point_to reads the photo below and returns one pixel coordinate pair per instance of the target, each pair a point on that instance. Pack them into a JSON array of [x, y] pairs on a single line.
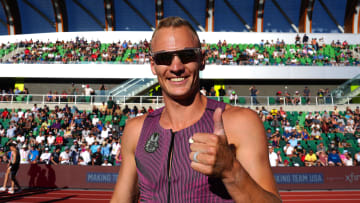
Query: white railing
[[241, 100]]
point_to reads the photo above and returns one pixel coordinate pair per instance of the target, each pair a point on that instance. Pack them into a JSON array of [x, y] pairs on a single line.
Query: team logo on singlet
[[152, 143]]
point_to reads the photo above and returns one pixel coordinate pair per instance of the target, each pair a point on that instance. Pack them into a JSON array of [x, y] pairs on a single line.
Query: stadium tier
[[307, 52]]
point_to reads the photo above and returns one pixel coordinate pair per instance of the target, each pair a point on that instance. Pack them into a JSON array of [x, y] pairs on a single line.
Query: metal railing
[[240, 100]]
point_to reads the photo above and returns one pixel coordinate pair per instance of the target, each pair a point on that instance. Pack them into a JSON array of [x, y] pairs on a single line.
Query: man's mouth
[[177, 79]]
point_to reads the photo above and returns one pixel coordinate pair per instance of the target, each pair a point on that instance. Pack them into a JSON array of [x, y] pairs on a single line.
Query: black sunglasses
[[186, 55]]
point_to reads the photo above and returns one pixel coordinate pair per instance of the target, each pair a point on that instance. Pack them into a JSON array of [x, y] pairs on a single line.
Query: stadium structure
[[32, 30]]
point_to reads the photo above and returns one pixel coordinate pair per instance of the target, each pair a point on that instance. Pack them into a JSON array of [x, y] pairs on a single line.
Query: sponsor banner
[[101, 177], [317, 178], [299, 178]]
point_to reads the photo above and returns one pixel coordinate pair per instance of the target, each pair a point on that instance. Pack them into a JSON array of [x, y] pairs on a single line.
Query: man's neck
[[177, 115]]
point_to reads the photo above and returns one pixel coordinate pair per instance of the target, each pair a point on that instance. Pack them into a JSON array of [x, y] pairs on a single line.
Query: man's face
[[178, 80]]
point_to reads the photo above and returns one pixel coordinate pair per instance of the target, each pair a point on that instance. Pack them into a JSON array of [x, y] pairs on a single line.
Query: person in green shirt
[[110, 106]]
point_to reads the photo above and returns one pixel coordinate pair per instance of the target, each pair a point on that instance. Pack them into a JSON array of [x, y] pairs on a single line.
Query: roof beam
[[351, 23], [210, 20], [159, 9], [190, 16], [305, 18], [259, 15], [109, 15], [331, 16], [40, 13], [285, 16]]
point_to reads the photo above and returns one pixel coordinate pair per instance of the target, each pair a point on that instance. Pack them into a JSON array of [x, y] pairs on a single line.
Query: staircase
[[131, 87], [11, 54], [345, 92]]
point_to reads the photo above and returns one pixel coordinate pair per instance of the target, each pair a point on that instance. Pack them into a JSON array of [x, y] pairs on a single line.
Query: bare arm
[[126, 186], [237, 153], [251, 178]]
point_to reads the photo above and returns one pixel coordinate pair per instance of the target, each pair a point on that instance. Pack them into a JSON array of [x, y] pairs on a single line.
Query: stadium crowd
[[70, 136], [302, 52], [66, 135]]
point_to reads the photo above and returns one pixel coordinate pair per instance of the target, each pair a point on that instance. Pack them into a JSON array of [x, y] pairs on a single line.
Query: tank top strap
[[213, 104]]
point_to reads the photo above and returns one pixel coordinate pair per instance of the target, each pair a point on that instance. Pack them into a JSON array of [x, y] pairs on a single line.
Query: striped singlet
[[163, 163]]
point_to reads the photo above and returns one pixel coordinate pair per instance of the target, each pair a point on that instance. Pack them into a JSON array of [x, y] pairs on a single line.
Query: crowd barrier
[[123, 100], [102, 177]]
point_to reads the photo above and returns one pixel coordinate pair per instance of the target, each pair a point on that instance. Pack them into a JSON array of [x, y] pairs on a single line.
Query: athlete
[[193, 149], [13, 168]]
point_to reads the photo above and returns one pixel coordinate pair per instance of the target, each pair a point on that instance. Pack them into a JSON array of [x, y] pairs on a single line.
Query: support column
[[209, 24], [259, 15], [109, 15], [305, 20], [159, 9]]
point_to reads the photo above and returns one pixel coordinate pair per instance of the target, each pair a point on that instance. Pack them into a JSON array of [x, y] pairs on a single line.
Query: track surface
[[104, 196]]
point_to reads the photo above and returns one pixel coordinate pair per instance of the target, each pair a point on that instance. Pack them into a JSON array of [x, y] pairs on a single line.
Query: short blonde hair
[[175, 21]]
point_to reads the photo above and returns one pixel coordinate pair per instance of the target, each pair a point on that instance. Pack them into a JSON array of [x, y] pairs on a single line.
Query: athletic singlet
[[163, 177]]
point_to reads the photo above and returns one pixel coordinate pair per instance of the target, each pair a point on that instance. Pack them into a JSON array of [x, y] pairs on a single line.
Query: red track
[[104, 196]]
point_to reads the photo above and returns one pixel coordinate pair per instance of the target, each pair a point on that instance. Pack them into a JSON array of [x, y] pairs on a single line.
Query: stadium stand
[[291, 134], [314, 52]]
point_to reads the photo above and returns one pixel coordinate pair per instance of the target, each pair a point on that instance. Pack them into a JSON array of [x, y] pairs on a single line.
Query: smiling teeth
[[177, 79]]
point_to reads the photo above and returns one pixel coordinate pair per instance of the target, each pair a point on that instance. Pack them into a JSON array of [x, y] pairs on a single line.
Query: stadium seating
[[295, 118], [265, 53]]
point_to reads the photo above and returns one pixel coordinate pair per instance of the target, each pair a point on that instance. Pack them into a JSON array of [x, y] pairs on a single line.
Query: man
[[24, 154], [45, 156], [334, 158], [110, 106], [65, 156], [198, 145], [33, 155], [96, 157], [13, 167], [55, 156], [253, 93], [273, 157], [310, 158]]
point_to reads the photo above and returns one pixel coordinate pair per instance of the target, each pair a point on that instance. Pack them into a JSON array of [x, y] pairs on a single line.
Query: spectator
[[253, 93], [306, 94], [97, 157], [55, 156], [45, 156], [334, 158], [273, 157], [85, 155], [106, 163], [24, 154], [65, 157], [310, 158], [33, 155]]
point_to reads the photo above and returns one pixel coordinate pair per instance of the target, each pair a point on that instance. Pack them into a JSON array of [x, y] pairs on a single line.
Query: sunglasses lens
[[163, 58], [186, 56]]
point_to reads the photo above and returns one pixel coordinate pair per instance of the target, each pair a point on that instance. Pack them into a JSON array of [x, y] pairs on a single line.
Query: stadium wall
[[97, 177], [124, 71]]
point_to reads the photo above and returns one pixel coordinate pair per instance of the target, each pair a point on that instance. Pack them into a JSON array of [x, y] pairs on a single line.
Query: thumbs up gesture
[[210, 152]]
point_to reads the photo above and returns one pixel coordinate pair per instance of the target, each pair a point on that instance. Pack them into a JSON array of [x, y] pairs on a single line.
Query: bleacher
[[291, 116]]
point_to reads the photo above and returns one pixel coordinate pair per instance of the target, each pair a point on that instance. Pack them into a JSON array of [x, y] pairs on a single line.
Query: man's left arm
[[250, 178]]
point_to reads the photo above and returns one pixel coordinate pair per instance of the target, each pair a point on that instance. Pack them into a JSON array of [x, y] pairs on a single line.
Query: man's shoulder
[[239, 113]]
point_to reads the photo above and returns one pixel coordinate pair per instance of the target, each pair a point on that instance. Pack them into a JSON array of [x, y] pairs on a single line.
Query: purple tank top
[[155, 164]]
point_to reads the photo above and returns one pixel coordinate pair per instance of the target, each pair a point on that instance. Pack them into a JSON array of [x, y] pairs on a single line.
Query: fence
[[238, 100]]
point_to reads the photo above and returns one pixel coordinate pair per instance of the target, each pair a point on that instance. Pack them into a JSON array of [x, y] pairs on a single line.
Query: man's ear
[[152, 65], [202, 62]]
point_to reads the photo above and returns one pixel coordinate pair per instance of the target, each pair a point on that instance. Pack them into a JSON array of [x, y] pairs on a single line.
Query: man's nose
[[176, 65]]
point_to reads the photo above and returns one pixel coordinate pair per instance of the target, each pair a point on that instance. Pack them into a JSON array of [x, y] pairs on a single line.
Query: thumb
[[218, 122]]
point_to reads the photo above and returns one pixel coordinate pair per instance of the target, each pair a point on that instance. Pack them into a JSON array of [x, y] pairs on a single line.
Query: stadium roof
[[311, 16]]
